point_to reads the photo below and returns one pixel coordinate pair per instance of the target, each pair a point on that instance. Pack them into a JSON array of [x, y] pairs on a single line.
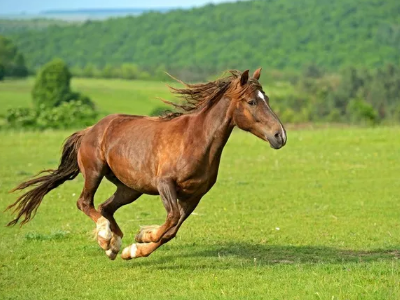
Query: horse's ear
[[257, 73], [244, 78]]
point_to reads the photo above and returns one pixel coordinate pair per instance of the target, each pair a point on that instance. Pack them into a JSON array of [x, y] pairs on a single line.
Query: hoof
[[129, 252], [111, 255], [146, 234], [114, 246]]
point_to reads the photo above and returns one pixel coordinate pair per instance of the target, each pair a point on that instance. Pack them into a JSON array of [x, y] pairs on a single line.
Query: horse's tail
[[27, 204]]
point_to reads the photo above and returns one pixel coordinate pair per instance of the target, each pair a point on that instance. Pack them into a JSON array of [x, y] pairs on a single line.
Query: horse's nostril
[[277, 135]]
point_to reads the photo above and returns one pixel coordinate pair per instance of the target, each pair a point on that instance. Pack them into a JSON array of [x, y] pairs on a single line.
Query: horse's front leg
[[154, 233], [145, 249]]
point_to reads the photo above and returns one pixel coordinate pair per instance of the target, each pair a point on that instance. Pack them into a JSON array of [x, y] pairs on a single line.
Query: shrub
[[21, 118], [52, 87], [360, 111], [73, 114]]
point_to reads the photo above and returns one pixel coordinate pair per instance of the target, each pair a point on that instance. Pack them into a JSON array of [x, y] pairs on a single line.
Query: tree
[[11, 59], [2, 72], [52, 86]]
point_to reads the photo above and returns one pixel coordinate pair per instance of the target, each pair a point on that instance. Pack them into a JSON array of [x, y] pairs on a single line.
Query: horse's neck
[[217, 126]]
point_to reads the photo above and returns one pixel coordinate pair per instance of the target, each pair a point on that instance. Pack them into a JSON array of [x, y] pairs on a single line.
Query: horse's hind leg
[[86, 199], [122, 196], [93, 170]]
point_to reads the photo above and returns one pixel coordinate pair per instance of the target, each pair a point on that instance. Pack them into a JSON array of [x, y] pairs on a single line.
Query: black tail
[[27, 204]]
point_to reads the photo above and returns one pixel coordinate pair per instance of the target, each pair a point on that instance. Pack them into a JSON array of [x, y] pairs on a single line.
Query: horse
[[175, 155]]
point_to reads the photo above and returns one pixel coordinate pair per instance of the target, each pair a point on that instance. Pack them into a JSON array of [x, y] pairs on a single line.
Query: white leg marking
[[103, 228], [129, 252], [126, 253], [133, 250]]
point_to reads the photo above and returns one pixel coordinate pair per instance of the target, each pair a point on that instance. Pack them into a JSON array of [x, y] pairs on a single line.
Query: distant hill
[[99, 14], [11, 26], [108, 11], [282, 34]]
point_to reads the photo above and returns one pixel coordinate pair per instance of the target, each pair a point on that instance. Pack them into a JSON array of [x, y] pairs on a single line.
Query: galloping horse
[[176, 156]]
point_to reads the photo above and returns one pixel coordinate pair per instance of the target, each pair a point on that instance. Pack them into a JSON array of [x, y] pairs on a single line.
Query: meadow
[[318, 219]]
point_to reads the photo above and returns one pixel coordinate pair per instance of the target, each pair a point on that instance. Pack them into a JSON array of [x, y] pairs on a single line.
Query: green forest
[[275, 34]]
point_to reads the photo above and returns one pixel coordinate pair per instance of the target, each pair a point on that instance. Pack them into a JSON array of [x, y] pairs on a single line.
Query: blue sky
[[35, 6]]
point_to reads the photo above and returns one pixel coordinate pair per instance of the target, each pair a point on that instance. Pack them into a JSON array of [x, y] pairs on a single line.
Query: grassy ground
[[318, 219]]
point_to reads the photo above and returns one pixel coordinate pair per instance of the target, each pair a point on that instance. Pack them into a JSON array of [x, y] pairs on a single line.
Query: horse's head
[[251, 111]]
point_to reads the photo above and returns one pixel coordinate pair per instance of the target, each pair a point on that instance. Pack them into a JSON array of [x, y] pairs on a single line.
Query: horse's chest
[[198, 183]]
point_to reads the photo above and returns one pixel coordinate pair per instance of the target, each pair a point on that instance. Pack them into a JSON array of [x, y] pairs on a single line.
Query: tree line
[[276, 34], [12, 62], [353, 95]]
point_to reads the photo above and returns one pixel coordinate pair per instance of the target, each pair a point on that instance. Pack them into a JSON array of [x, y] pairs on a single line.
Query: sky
[[36, 6]]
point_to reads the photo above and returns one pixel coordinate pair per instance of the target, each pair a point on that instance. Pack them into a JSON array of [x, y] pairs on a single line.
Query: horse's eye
[[252, 102]]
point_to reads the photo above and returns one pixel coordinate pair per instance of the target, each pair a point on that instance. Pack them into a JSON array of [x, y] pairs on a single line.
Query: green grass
[[319, 219]]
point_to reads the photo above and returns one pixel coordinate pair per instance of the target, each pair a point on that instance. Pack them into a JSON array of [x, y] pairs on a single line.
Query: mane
[[198, 96]]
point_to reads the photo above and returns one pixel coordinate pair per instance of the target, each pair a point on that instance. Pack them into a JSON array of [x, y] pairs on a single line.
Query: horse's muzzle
[[278, 140]]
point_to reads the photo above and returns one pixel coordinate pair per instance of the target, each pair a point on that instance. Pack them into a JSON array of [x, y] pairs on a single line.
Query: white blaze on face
[[262, 96]]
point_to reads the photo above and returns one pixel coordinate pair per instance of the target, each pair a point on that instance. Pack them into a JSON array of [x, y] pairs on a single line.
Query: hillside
[[281, 34]]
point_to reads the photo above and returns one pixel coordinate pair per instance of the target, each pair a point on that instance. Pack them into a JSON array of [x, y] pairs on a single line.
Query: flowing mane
[[200, 95]]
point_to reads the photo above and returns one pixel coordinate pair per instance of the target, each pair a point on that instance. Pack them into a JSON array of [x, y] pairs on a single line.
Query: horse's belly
[[194, 187], [134, 175]]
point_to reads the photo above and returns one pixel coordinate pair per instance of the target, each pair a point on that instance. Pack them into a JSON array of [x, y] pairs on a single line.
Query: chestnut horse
[[175, 156]]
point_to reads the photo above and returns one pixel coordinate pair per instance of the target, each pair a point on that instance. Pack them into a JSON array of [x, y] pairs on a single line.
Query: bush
[[21, 118], [360, 111], [73, 114], [52, 87]]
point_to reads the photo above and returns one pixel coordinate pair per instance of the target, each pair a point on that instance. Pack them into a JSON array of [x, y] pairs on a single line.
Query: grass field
[[319, 219]]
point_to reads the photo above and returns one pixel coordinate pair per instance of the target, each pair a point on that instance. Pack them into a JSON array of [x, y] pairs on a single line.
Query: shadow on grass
[[239, 255]]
